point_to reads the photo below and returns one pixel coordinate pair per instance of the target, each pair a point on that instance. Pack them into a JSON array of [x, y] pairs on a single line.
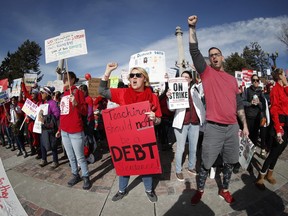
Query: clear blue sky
[[116, 29]]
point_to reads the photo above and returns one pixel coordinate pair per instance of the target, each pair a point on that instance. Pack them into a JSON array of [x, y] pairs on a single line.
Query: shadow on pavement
[[183, 206], [252, 201]]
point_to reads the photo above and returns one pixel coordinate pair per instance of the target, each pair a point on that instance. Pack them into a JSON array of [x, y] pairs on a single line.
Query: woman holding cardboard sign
[[137, 91]]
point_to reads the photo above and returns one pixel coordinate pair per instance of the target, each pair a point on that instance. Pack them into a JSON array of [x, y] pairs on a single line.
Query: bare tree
[[283, 36]]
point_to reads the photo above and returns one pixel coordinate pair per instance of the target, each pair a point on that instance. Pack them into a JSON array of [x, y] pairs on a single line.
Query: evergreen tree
[[24, 60], [233, 63]]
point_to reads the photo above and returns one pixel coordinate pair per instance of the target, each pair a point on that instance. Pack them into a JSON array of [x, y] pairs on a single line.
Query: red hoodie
[[71, 116]]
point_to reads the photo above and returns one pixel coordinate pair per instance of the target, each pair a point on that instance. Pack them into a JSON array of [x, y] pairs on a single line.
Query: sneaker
[[54, 165], [119, 195], [263, 154], [86, 183], [25, 154], [43, 163], [151, 196], [75, 179], [180, 176], [192, 171], [197, 197], [19, 153], [226, 196]]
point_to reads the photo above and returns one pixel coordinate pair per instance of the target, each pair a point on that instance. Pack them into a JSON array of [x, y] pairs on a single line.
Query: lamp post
[[273, 57]]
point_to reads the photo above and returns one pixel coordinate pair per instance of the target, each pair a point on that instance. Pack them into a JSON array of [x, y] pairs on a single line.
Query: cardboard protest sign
[[131, 138], [16, 87], [179, 93], [3, 85], [4, 98], [37, 128], [30, 109], [93, 85], [153, 62], [9, 203], [66, 45]]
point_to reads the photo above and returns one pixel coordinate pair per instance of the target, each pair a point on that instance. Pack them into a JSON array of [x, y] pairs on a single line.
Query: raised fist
[[111, 66], [192, 20]]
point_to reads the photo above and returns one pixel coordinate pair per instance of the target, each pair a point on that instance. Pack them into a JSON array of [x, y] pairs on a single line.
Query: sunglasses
[[215, 54], [255, 80], [138, 75]]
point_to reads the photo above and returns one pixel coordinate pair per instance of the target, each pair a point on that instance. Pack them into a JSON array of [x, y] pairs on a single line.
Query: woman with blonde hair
[[137, 91]]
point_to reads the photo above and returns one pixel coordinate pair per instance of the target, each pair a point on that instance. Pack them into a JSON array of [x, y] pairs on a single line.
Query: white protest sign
[[66, 45], [16, 87], [37, 128], [30, 109], [58, 84], [239, 77], [179, 93], [153, 62], [30, 79], [9, 203], [124, 77]]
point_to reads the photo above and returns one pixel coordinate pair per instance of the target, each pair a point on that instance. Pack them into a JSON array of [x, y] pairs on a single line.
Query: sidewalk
[[43, 191]]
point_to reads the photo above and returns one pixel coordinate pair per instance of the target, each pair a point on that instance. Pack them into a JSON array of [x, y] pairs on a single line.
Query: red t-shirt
[[220, 90], [72, 122], [279, 104]]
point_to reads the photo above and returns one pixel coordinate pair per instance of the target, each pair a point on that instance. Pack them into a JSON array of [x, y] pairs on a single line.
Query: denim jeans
[[147, 180], [192, 131], [44, 154], [74, 146]]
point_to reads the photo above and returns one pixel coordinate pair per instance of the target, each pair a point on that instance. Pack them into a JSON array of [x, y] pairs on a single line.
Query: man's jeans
[[74, 146], [192, 131]]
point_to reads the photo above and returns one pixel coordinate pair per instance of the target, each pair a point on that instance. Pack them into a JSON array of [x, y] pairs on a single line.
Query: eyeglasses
[[138, 75], [255, 80], [214, 54]]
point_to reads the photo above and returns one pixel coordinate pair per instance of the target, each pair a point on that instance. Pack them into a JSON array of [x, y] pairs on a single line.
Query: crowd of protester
[[218, 108]]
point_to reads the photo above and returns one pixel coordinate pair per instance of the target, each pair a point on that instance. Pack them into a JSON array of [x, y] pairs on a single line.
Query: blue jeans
[[192, 131], [147, 180], [74, 146]]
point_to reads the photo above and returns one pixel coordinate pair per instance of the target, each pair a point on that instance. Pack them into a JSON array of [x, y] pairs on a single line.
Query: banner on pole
[[66, 45], [131, 139]]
